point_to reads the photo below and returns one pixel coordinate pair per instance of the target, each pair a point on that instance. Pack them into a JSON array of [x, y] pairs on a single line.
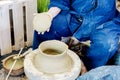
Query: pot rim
[[63, 52]]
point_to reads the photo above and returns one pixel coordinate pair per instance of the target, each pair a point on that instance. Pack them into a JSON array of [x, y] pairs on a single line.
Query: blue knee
[[100, 52]]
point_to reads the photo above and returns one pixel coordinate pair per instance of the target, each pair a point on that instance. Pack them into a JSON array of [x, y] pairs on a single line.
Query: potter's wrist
[[50, 15], [54, 11]]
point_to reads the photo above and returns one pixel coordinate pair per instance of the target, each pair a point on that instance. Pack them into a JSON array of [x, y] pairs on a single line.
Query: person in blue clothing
[[94, 20]]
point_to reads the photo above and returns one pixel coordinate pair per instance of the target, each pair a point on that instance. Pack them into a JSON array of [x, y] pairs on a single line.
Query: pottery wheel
[[34, 74]]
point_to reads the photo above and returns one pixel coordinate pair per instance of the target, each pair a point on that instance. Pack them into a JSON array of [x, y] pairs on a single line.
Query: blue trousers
[[104, 38], [102, 73]]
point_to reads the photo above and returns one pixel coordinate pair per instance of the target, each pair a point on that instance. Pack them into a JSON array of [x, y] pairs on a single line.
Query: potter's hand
[[83, 68], [72, 41], [83, 71], [75, 41], [42, 21]]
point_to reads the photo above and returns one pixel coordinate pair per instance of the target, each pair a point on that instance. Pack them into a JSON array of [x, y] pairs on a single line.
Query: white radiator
[[16, 30]]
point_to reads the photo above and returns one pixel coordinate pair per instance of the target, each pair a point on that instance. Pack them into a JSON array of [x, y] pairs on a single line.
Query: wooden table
[[3, 76]]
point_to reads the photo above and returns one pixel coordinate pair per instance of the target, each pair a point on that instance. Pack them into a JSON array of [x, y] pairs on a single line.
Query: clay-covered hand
[[75, 41], [42, 22]]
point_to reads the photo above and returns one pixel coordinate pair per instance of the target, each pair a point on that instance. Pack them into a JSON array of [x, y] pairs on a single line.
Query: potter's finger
[[48, 30], [83, 71], [83, 68], [42, 32], [38, 32]]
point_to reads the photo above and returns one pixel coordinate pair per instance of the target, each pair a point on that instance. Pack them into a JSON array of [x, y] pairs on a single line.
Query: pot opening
[[52, 51], [53, 47]]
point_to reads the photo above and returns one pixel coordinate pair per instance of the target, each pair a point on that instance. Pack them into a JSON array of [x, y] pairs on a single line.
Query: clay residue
[[18, 65]]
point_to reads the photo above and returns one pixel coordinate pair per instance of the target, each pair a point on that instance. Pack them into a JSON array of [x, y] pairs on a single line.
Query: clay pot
[[18, 68], [53, 58]]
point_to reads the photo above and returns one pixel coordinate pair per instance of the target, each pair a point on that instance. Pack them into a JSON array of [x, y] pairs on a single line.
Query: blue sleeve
[[97, 16], [62, 4]]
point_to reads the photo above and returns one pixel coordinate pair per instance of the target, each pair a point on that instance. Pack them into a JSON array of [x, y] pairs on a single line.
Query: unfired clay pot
[[52, 61], [53, 57]]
